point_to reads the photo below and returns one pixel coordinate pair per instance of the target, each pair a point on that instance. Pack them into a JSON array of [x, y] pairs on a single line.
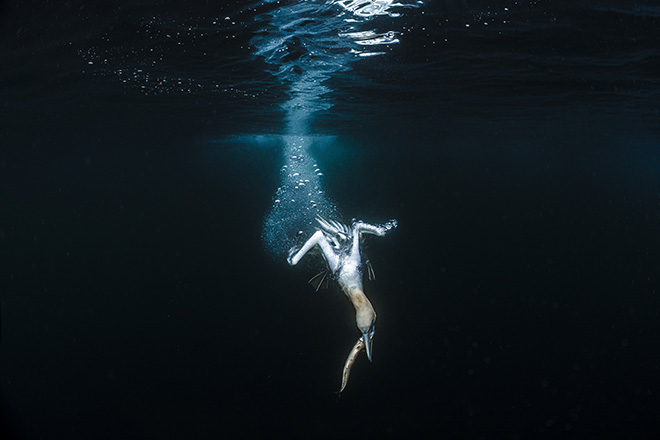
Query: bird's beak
[[367, 338]]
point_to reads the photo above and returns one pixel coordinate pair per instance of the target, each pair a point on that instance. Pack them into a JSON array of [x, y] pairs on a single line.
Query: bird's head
[[366, 322]]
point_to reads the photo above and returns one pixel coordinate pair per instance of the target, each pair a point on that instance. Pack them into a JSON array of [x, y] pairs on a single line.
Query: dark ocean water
[[516, 143]]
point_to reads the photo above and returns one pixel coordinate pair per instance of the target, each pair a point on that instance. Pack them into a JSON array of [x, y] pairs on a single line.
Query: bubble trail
[[300, 197], [307, 42]]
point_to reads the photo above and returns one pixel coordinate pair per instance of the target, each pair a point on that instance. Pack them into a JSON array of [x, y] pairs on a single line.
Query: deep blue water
[[517, 144]]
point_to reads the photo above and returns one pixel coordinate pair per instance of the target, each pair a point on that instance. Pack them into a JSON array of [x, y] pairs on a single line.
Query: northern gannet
[[340, 246]]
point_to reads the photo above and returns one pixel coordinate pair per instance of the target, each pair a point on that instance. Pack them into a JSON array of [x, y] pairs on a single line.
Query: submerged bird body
[[340, 246]]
